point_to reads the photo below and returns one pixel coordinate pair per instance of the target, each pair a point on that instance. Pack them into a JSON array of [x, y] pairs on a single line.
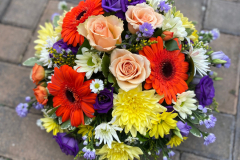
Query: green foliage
[[171, 45], [189, 31], [214, 105], [55, 20], [195, 131], [192, 70], [105, 65], [176, 131], [158, 32], [141, 137], [31, 62], [89, 62], [66, 124], [85, 44]]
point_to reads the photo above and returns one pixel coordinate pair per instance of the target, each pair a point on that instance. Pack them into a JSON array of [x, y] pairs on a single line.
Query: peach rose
[[137, 15], [129, 69], [41, 94], [38, 73], [102, 32]]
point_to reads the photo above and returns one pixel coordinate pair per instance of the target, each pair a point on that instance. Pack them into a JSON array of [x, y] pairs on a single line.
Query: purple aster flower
[[54, 15], [28, 99], [60, 45], [68, 145], [22, 109], [164, 6], [89, 154], [38, 106], [222, 56], [171, 154], [104, 100], [205, 91], [146, 29], [184, 128], [215, 33], [209, 139]]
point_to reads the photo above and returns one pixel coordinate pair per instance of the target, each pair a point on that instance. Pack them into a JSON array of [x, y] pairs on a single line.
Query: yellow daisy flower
[[119, 151], [175, 141], [85, 129], [58, 29], [135, 109], [194, 36], [185, 22], [163, 125], [43, 35], [50, 125]]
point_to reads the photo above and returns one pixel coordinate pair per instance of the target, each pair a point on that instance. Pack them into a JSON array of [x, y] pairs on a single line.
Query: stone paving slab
[[227, 89], [24, 140], [222, 148], [3, 5], [192, 9], [52, 7], [13, 43], [236, 153], [188, 156], [223, 15], [24, 13]]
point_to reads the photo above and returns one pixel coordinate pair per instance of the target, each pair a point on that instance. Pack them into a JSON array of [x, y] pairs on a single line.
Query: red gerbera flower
[[72, 95], [78, 15], [168, 70]]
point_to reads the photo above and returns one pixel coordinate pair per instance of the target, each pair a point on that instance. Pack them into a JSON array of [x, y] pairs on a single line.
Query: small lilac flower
[[146, 29], [97, 144], [222, 56], [200, 37], [28, 99], [22, 109], [207, 123], [212, 121], [204, 110], [184, 128], [171, 154], [54, 15], [158, 152], [209, 139], [164, 157], [202, 32], [38, 106], [192, 118], [137, 39], [210, 73], [84, 138], [85, 143], [84, 149], [215, 33], [127, 36], [164, 6], [92, 154], [201, 122]]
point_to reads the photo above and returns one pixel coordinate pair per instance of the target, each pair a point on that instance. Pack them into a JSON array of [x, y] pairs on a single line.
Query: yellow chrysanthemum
[[163, 125], [119, 151], [50, 125], [175, 141], [58, 29], [85, 129], [194, 36], [43, 35], [135, 109], [185, 22]]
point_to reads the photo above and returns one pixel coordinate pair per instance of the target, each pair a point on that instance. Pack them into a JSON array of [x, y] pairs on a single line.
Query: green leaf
[[189, 31], [141, 137], [194, 121], [53, 116], [89, 62], [111, 78], [52, 111], [60, 120], [87, 120], [171, 45], [55, 20], [176, 131], [158, 32], [85, 44], [105, 65], [31, 62], [190, 78], [195, 131], [66, 124]]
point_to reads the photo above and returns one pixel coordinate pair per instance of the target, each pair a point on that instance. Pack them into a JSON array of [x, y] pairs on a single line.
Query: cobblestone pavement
[[21, 139]]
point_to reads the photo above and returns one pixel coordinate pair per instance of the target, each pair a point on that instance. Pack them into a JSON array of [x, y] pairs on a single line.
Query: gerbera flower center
[[167, 69], [70, 96], [80, 15]]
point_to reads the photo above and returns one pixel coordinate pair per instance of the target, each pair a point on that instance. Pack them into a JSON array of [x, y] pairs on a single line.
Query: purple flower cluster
[[60, 45], [202, 108], [68, 145], [171, 154], [38, 106], [145, 30], [209, 139], [210, 122], [184, 128], [215, 33], [164, 6], [22, 109], [88, 154], [220, 55]]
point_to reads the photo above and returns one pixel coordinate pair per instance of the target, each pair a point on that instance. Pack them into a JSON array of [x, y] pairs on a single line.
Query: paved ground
[[21, 139]]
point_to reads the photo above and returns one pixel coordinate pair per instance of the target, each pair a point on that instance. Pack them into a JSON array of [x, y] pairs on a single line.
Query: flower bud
[[219, 61], [167, 35], [37, 74]]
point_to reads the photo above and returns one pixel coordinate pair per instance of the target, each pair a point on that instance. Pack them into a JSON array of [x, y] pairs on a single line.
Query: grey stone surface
[[191, 9], [236, 153], [3, 6], [24, 140], [223, 15], [13, 43], [227, 89], [24, 13], [187, 156], [222, 148]]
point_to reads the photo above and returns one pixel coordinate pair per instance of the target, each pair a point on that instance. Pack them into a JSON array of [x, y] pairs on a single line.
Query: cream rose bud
[[129, 69], [137, 15], [102, 32]]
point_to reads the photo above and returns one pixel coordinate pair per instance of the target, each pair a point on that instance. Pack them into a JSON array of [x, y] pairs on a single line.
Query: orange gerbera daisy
[[72, 95], [78, 15], [168, 70]]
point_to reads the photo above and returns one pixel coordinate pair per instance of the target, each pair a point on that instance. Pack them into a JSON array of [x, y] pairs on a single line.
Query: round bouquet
[[123, 79]]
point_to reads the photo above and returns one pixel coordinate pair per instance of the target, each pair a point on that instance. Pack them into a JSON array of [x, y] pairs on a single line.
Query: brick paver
[[24, 13], [13, 43], [187, 156], [223, 15], [3, 5], [227, 89]]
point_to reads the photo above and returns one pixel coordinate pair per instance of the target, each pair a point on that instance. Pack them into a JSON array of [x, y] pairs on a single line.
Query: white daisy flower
[[185, 104], [44, 55], [105, 132], [88, 62], [62, 5], [131, 139], [39, 124], [96, 85]]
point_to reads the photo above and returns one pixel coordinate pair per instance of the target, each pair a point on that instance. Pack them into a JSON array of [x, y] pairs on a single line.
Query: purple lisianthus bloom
[[22, 109], [209, 139], [184, 128], [146, 29], [113, 6], [215, 33], [68, 145], [104, 100], [205, 91], [222, 56], [60, 45], [164, 6]]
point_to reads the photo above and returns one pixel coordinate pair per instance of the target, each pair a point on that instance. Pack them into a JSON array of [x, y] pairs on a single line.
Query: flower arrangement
[[123, 79]]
